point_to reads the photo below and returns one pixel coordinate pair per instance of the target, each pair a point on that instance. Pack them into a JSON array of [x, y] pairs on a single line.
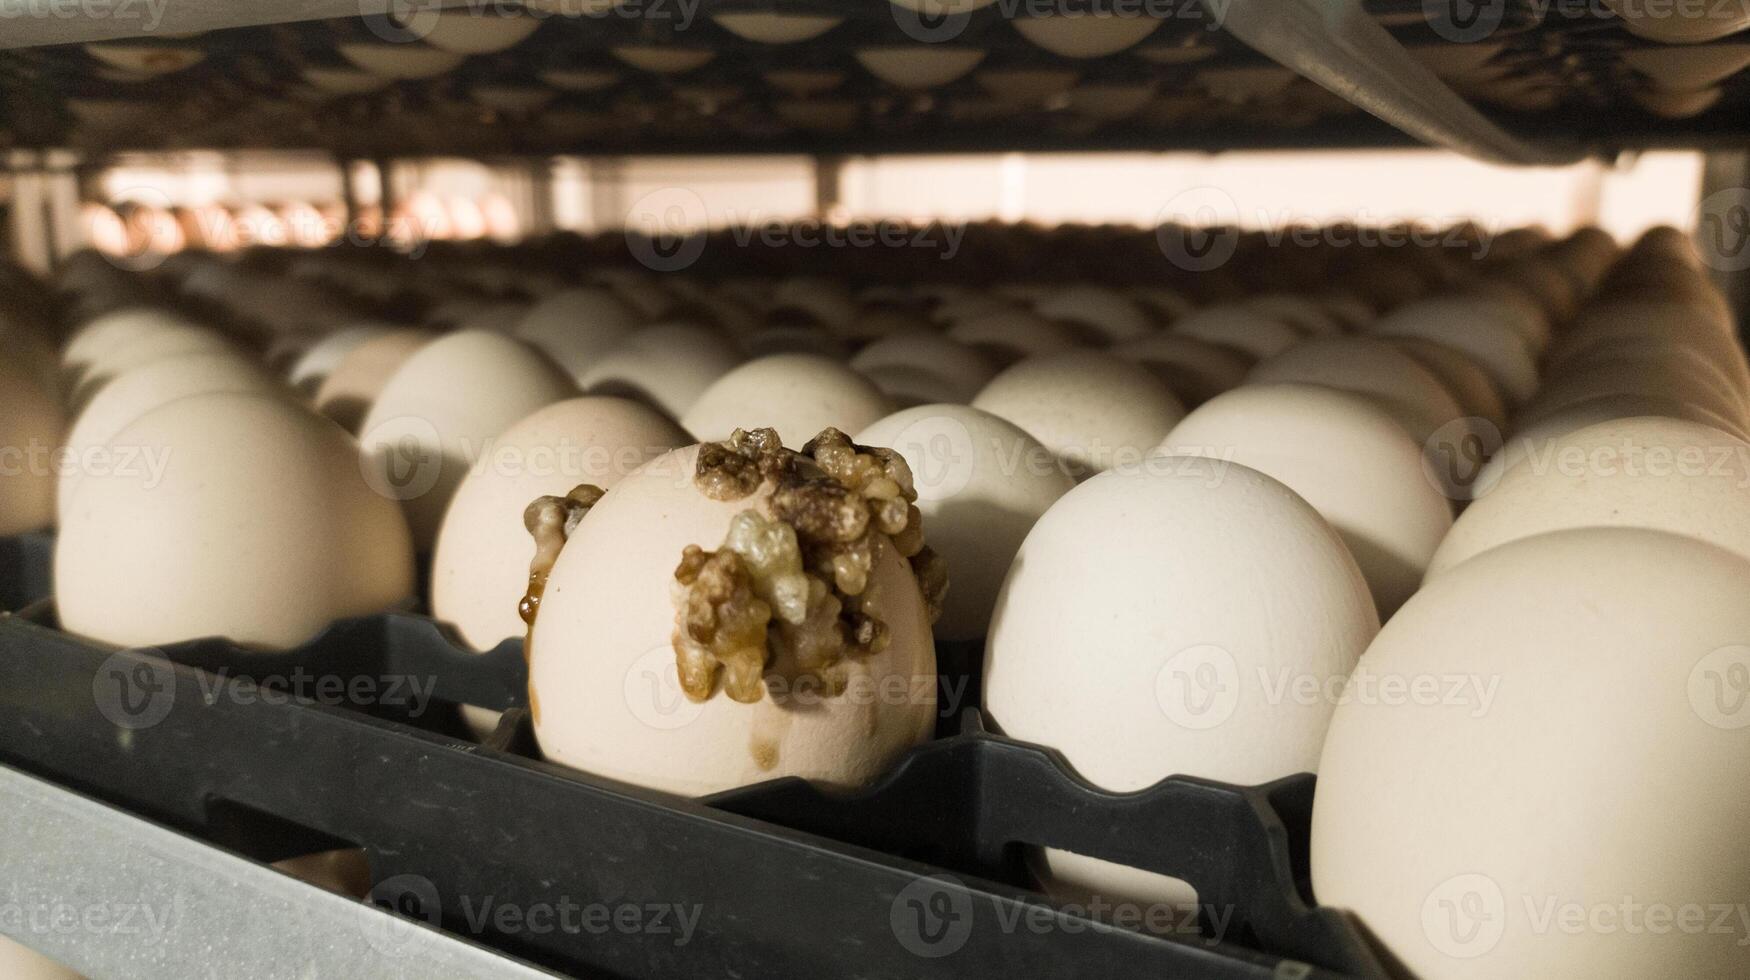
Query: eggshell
[[1477, 327], [1194, 370], [1086, 34], [665, 365], [1688, 69], [472, 30], [1346, 457], [1664, 374], [480, 569], [400, 61], [321, 358], [964, 369], [981, 483], [1477, 396], [118, 404], [919, 66], [797, 394], [1659, 473], [771, 28], [1679, 105], [1008, 335], [1247, 331], [440, 412], [31, 426], [241, 515], [663, 60], [577, 326], [20, 962], [827, 302], [1303, 313], [1371, 367], [1132, 589], [602, 669], [1681, 23], [1093, 409], [350, 390], [1105, 316], [1574, 707]]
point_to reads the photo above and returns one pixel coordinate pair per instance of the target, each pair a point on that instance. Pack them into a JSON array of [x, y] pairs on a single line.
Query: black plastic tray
[[921, 875]]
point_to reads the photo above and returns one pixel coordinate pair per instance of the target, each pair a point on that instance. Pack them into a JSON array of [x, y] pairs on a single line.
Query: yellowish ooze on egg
[[800, 559], [550, 521]]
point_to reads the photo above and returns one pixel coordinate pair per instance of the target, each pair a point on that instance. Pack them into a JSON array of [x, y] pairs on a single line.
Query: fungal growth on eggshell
[[550, 520], [799, 560]]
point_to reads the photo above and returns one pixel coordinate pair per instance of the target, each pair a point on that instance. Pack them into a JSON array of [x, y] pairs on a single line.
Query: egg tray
[[921, 875]]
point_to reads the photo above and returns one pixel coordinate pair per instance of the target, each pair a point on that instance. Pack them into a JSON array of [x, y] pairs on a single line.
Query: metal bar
[[114, 896], [1337, 44]]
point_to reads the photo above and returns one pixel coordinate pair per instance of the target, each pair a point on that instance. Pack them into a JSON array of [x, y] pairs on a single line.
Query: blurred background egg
[[797, 394], [1093, 409]]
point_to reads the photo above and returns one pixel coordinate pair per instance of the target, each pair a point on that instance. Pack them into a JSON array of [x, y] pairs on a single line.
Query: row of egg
[[1095, 553]]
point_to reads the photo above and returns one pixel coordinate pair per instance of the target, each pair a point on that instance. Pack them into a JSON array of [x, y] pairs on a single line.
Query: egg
[[352, 387], [400, 61], [1672, 374], [606, 685], [1086, 34], [235, 515], [1658, 473], [1533, 438], [1168, 603], [1304, 313], [1475, 326], [118, 404], [472, 31], [1477, 396], [321, 358], [964, 369], [577, 326], [31, 426], [20, 962], [1689, 69], [823, 301], [439, 413], [1498, 788], [794, 340], [118, 328], [1008, 335], [1095, 410], [797, 394], [1248, 331], [1679, 105], [663, 60], [666, 365], [919, 66], [1194, 370], [480, 567], [981, 485], [771, 28], [1104, 316], [1681, 23], [1348, 458], [1371, 367], [908, 387]]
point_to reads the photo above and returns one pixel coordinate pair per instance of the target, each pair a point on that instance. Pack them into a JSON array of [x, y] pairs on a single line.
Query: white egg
[[1515, 748], [771, 28], [1105, 316], [919, 66], [605, 688], [908, 387], [1679, 105], [667, 365], [1477, 396], [964, 369], [828, 303], [1660, 473], [981, 484], [467, 30], [1235, 326], [235, 515], [1194, 370], [1008, 335], [1480, 328], [20, 962], [1691, 68], [1681, 23], [1095, 410], [663, 60], [577, 326], [1088, 34], [1675, 373], [1368, 366], [439, 413], [400, 61], [1304, 313], [797, 394], [480, 568], [348, 392], [1169, 603], [31, 428], [321, 358], [1346, 457]]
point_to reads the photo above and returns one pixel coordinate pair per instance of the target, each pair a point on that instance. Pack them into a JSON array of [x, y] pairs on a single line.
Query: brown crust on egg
[[801, 562], [550, 521]]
